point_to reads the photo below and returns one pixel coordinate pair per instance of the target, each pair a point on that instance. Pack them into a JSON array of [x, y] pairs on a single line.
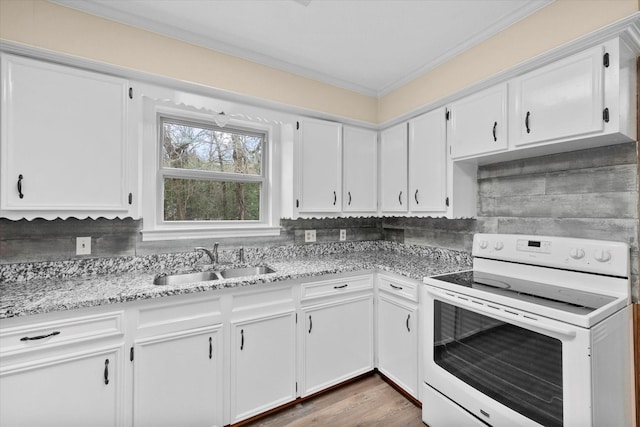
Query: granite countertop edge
[[41, 296]]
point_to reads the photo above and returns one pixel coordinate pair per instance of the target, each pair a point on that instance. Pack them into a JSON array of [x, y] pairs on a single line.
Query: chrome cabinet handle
[[20, 178], [310, 324], [241, 339], [526, 121], [495, 125], [395, 287], [341, 286], [40, 337], [106, 371], [415, 196], [210, 348], [335, 198], [400, 198], [349, 198], [408, 317]]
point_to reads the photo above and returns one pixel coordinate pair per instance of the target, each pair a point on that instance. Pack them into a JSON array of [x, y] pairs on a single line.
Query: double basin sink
[[203, 276]]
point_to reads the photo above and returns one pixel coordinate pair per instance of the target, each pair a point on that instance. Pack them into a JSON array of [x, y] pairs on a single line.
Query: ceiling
[[368, 46]]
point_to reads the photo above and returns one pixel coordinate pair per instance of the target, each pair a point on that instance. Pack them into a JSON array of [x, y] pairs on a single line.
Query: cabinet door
[[83, 389], [63, 143], [360, 170], [320, 166], [393, 169], [563, 99], [398, 343], [178, 379], [478, 123], [338, 342], [263, 364], [427, 162]]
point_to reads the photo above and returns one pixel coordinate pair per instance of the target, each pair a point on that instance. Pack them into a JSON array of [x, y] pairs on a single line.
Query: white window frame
[[154, 225]]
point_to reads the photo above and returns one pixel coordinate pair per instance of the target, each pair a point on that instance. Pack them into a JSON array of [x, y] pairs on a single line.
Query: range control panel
[[594, 256]]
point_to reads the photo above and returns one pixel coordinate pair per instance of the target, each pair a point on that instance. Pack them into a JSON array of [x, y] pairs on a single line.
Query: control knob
[[484, 244], [498, 246], [577, 253], [602, 255]]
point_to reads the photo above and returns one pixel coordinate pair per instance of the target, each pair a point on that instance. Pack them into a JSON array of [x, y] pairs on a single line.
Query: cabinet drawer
[[336, 287], [166, 315], [63, 332], [398, 287]]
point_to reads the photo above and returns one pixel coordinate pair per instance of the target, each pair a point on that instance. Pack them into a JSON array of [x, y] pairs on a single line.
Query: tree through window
[[210, 173]]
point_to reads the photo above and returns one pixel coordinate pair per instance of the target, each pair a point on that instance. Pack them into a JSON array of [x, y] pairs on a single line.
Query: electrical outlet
[[309, 236], [83, 245], [343, 235]]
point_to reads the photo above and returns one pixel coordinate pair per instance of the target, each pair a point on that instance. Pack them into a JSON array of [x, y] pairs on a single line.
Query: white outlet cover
[[309, 236], [83, 245], [343, 235]]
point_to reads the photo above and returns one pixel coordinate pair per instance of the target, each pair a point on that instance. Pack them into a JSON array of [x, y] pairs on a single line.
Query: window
[[210, 173]]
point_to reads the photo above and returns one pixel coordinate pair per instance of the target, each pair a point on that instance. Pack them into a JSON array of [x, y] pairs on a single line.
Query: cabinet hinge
[[447, 114], [446, 202], [605, 60], [130, 93], [605, 115], [130, 198], [297, 125], [131, 354]]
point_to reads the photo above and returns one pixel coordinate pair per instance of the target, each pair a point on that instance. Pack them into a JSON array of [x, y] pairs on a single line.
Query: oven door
[[503, 366]]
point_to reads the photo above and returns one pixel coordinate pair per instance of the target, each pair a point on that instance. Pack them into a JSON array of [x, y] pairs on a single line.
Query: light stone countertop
[[22, 298]]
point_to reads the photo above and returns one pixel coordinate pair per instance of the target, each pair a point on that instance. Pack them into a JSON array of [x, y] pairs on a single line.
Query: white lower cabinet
[[338, 341], [398, 343], [82, 388], [263, 364], [398, 332], [178, 379], [206, 359]]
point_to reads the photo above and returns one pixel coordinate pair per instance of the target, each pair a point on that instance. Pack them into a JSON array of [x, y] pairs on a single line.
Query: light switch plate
[[309, 236], [83, 245]]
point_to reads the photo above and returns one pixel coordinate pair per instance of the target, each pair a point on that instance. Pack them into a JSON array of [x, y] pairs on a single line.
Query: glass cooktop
[[566, 299]]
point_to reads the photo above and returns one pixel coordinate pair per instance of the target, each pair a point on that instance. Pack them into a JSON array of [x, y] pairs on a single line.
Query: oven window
[[519, 368]]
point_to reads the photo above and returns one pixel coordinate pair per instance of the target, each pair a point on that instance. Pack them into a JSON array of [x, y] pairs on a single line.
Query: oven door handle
[[500, 314]]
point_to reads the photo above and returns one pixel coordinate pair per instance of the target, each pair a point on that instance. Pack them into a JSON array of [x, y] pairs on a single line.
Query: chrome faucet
[[213, 255]]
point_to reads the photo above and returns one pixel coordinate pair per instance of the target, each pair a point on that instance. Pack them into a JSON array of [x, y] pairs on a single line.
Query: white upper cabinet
[[319, 166], [478, 123], [393, 169], [582, 96], [360, 172], [64, 142], [427, 162]]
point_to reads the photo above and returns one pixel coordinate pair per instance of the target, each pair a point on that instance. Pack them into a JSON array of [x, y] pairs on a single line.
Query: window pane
[[187, 146], [200, 200]]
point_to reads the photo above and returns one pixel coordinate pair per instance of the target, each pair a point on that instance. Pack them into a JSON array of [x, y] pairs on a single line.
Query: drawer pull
[[210, 348], [408, 317], [335, 198], [40, 337], [341, 286], [310, 324], [395, 287], [495, 125], [241, 339], [526, 122], [106, 371]]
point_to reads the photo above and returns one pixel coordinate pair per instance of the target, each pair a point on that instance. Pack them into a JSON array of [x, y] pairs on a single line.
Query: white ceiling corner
[[368, 46]]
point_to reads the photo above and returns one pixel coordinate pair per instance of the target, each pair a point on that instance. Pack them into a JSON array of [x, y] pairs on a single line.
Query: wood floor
[[368, 402]]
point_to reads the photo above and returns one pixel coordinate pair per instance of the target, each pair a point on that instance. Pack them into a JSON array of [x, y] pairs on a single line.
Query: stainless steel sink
[[203, 276], [180, 279], [245, 271]]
